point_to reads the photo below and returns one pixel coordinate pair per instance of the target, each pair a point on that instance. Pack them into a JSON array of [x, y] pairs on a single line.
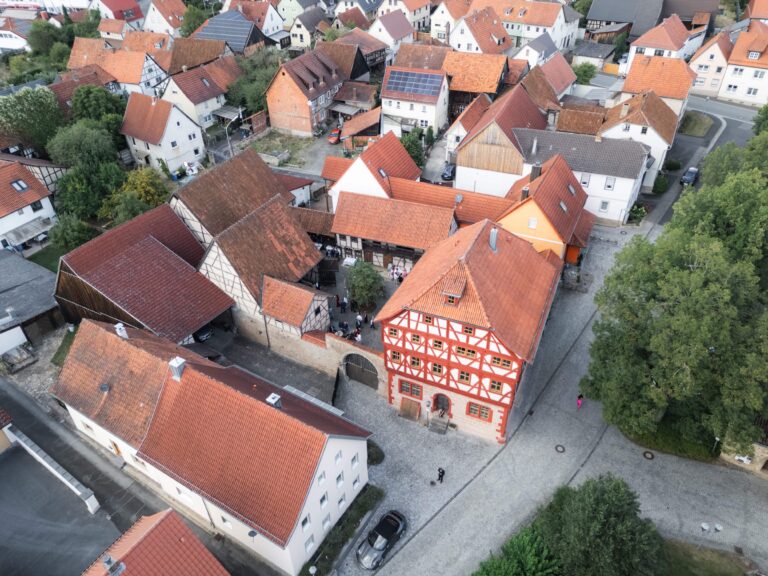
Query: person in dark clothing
[[440, 475]]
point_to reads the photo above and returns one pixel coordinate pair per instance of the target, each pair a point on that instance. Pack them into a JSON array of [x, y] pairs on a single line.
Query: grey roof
[[307, 3], [31, 84], [594, 50], [24, 286], [232, 27], [311, 18], [643, 14], [542, 44], [369, 5], [687, 8], [619, 158], [570, 14]]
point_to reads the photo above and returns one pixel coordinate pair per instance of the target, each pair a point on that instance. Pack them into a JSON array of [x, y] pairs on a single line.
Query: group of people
[[397, 273], [343, 327]]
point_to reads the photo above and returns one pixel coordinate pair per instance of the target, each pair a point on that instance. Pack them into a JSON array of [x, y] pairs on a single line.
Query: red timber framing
[[452, 358]]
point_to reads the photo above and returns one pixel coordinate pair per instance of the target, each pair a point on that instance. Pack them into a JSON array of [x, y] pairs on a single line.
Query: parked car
[[335, 136], [743, 459], [381, 539], [449, 172], [690, 176]]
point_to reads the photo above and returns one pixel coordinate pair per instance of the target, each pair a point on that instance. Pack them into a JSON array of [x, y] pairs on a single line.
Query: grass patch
[[277, 143], [668, 439], [695, 124], [375, 453], [66, 343], [345, 529], [688, 560], [48, 257]]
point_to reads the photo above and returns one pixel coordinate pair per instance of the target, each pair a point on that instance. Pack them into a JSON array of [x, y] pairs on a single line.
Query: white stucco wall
[[357, 179], [11, 338], [651, 138], [179, 129], [484, 181], [24, 215], [745, 80], [154, 22]]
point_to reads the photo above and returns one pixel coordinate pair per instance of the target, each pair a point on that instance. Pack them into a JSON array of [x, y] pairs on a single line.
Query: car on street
[[335, 136], [381, 539], [690, 176], [449, 172]]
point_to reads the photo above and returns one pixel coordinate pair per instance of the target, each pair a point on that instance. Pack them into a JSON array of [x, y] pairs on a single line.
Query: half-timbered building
[[461, 328]]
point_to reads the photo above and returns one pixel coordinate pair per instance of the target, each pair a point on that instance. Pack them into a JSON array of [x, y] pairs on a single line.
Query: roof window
[[571, 189], [522, 12], [753, 55], [19, 185], [205, 82], [563, 207]]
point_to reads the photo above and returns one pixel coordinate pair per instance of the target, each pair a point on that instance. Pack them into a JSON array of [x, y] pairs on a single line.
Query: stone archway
[[358, 367]]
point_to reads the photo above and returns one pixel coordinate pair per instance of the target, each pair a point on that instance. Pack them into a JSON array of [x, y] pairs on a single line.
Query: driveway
[[435, 162]]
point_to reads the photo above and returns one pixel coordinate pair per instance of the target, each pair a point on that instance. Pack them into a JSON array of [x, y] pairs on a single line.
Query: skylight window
[[19, 185], [754, 55], [206, 83], [563, 206], [571, 189]]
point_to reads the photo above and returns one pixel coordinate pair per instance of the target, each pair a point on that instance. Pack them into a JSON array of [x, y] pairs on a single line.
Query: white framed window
[[714, 83], [337, 459], [356, 483], [321, 478], [324, 500], [698, 82], [306, 523], [610, 183], [703, 68], [327, 522], [719, 69], [751, 91], [342, 501], [738, 71], [644, 130], [759, 74], [533, 222], [309, 544], [604, 206], [585, 179], [753, 55], [340, 480], [731, 87], [626, 127], [355, 461]]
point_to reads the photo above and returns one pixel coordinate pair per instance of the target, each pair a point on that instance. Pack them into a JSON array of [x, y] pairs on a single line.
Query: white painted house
[[413, 99], [709, 64], [467, 120], [128, 10], [393, 29], [289, 9], [481, 32], [13, 34], [746, 81], [367, 7], [158, 133], [446, 16], [165, 17], [275, 484], [525, 21], [26, 210], [670, 39], [416, 11]]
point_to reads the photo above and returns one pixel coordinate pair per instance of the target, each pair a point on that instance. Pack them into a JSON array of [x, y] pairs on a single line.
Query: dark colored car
[[449, 172], [334, 136], [690, 176], [203, 334], [381, 539]]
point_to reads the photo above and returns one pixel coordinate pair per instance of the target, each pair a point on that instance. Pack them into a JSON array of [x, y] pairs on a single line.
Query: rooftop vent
[[113, 568], [459, 198], [177, 367], [104, 387], [563, 207], [121, 331], [274, 400], [525, 193], [493, 238]]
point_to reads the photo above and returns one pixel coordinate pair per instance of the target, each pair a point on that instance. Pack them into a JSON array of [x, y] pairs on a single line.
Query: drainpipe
[[264, 316]]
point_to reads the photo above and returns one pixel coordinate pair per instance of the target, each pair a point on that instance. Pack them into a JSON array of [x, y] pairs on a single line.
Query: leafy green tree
[[250, 89], [148, 185], [721, 162], [81, 191], [761, 120], [585, 72], [84, 143], [112, 123], [620, 42], [412, 144], [70, 232], [582, 6], [42, 36], [95, 102], [756, 153], [89, 27], [127, 207], [365, 285], [331, 35], [59, 55], [429, 137], [596, 530], [194, 17], [31, 115]]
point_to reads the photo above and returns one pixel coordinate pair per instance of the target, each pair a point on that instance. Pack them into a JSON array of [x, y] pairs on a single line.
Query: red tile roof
[[579, 121], [368, 44], [755, 39], [343, 55], [508, 290], [286, 301], [723, 41], [523, 12], [189, 52], [559, 73], [671, 34], [540, 90], [313, 221], [132, 368], [140, 41], [146, 117], [268, 242], [416, 74], [514, 109], [551, 192], [110, 26], [476, 73], [214, 432], [160, 544], [421, 56], [118, 7], [64, 89], [292, 183], [11, 200], [387, 158], [361, 122], [256, 12], [396, 24], [472, 206], [414, 5], [5, 418], [471, 115], [757, 9], [408, 224], [457, 8], [647, 110], [487, 30], [209, 80], [172, 11], [668, 77], [311, 70], [124, 65], [334, 167], [517, 70], [232, 190], [354, 16]]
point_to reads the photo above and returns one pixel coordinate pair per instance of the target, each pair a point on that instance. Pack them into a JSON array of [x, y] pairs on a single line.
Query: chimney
[[535, 171], [493, 237], [535, 147], [624, 110], [121, 331], [525, 193], [184, 67], [274, 400], [177, 367]]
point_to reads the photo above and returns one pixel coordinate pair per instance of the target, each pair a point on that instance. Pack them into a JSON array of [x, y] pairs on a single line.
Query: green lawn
[[344, 530], [61, 354], [695, 124], [688, 560], [48, 257]]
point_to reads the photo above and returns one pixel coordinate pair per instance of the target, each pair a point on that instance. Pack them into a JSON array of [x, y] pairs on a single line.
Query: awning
[[345, 109], [227, 112], [29, 230], [279, 35]]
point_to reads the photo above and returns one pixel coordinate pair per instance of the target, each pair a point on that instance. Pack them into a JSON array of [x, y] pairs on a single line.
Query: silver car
[[381, 539]]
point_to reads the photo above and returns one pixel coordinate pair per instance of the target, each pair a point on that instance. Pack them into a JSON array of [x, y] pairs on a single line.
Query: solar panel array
[[414, 83]]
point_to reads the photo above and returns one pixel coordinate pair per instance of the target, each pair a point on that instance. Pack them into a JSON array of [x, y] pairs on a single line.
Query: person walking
[[344, 303], [579, 401], [440, 475], [359, 321], [338, 302]]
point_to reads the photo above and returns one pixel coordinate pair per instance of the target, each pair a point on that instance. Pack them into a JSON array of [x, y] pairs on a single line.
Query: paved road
[[724, 109]]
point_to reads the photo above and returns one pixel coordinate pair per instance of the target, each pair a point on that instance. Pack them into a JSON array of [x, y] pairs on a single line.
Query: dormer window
[[753, 55], [19, 185], [522, 12], [451, 299]]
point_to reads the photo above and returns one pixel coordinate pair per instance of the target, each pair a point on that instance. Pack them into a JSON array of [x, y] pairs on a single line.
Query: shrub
[[70, 232], [672, 164], [429, 139], [661, 184], [375, 453]]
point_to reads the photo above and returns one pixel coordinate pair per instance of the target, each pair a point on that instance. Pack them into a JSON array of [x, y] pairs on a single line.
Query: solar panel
[[414, 83]]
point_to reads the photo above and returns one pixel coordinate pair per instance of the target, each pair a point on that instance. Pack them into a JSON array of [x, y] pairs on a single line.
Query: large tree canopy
[[32, 115], [258, 70], [84, 143], [94, 102]]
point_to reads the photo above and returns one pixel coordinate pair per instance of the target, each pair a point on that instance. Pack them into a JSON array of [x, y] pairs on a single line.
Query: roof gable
[[671, 34], [286, 301], [396, 24], [720, 41], [751, 41], [146, 118], [558, 73], [19, 188], [313, 73], [487, 30], [387, 158], [668, 77], [645, 109], [172, 11]]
